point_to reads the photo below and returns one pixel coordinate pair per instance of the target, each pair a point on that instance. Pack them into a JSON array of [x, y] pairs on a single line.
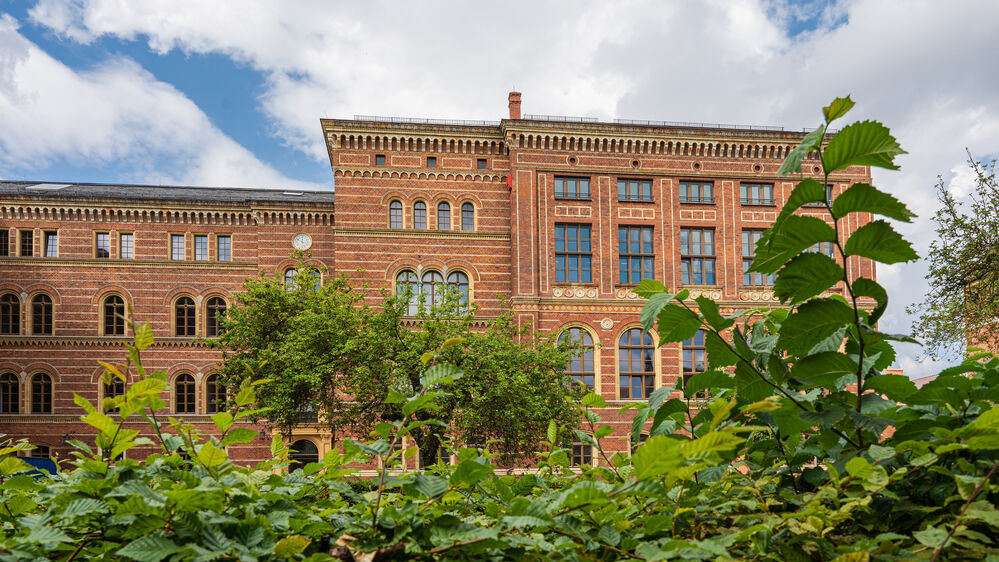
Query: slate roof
[[161, 192]]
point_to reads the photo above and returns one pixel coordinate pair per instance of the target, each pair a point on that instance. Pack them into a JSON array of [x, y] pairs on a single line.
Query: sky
[[231, 93]]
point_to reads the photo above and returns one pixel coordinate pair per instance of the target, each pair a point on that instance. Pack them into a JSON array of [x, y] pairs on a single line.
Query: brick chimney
[[514, 105]]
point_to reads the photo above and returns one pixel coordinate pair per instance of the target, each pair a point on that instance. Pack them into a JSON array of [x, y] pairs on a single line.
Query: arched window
[[10, 391], [184, 394], [419, 215], [457, 281], [431, 287], [214, 395], [580, 366], [289, 279], [636, 362], [303, 452], [10, 314], [114, 316], [184, 317], [443, 216], [395, 214], [407, 282], [41, 394], [114, 388], [213, 316], [41, 315], [467, 216]]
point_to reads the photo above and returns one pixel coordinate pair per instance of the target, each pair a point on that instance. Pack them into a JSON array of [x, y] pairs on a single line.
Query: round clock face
[[302, 241]]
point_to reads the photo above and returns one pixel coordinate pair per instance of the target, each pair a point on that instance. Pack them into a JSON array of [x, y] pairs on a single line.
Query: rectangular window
[[697, 256], [572, 253], [697, 192], [749, 240], [827, 248], [635, 256], [51, 244], [201, 247], [431, 161], [634, 190], [756, 193], [694, 362], [126, 246], [481, 164], [224, 248], [572, 188], [177, 246], [102, 245], [582, 454], [379, 159], [829, 189], [4, 242], [27, 243]]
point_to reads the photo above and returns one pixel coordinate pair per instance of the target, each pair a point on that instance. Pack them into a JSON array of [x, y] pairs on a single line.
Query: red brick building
[[557, 217]]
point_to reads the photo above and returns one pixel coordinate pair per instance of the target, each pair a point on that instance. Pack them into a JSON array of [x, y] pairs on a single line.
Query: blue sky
[[230, 93]]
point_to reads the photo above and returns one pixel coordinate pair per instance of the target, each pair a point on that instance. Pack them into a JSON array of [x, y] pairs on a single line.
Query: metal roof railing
[[695, 124], [420, 121]]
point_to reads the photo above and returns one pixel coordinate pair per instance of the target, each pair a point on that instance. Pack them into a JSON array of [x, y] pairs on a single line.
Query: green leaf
[[792, 164], [143, 336], [149, 548], [650, 310], [291, 545], [867, 143], [677, 324], [865, 198], [471, 472], [552, 432], [594, 400], [239, 435], [440, 374], [879, 241], [858, 467], [659, 396], [211, 456], [657, 456], [430, 486], [223, 420], [867, 288], [719, 353], [812, 323], [837, 109], [823, 369], [706, 381], [46, 535], [931, 536], [749, 385], [13, 465], [649, 287], [805, 276], [796, 234], [638, 423], [825, 418], [245, 396], [709, 309]]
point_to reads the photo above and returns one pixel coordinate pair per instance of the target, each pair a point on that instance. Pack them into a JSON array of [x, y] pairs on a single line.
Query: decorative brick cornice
[[421, 233], [97, 341], [401, 173], [128, 264]]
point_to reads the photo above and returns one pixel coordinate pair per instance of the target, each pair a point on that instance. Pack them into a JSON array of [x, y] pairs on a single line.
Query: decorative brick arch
[[107, 290], [41, 367], [183, 291], [49, 290], [464, 265]]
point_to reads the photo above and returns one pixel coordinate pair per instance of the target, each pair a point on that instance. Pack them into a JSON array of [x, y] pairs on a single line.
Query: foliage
[[332, 356], [788, 460], [963, 298]]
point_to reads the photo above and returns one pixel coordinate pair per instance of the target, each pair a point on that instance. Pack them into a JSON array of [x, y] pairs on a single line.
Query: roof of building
[[161, 192]]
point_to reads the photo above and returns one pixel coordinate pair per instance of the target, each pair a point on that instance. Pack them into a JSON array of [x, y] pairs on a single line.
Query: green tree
[[962, 302], [332, 358]]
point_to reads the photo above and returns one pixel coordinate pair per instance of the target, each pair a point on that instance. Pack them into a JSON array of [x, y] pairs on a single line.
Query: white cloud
[[115, 114], [920, 66]]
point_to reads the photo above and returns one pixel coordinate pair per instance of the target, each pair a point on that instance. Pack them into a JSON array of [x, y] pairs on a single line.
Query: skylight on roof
[[294, 193], [47, 186]]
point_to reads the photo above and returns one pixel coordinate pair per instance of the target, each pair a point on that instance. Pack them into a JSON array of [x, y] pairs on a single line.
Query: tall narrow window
[[27, 243], [467, 216], [634, 190], [444, 216], [184, 394], [176, 246], [126, 246], [697, 192], [201, 247], [636, 364], [635, 257], [4, 242], [749, 240], [213, 315], [572, 188], [406, 282], [214, 395], [224, 248], [693, 356], [289, 279], [41, 394], [829, 190], [572, 253], [41, 315], [756, 193], [102, 245], [432, 289], [114, 316], [113, 389], [51, 244], [10, 314], [395, 214], [184, 317], [10, 392], [697, 256], [457, 281], [580, 366], [419, 215]]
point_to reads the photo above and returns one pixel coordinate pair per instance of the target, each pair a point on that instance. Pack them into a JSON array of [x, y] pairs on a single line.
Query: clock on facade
[[302, 242]]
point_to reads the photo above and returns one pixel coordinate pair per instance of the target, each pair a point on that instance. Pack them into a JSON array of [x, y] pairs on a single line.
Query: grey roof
[[161, 192]]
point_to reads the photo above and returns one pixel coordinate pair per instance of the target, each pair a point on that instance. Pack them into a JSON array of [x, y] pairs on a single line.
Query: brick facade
[[506, 170]]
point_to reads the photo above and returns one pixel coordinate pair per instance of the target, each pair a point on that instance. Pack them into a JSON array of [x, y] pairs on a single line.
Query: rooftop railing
[[420, 121]]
